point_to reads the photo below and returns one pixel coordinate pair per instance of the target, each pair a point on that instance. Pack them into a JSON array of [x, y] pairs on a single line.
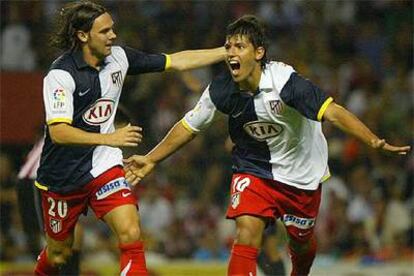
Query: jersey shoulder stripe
[[167, 61], [323, 108], [187, 126], [40, 186], [59, 120]]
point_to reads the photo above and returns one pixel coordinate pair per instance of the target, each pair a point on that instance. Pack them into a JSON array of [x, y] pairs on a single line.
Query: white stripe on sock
[[126, 268]]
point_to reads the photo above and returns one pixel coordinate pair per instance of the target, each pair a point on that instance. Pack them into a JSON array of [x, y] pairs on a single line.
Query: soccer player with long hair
[[81, 164]]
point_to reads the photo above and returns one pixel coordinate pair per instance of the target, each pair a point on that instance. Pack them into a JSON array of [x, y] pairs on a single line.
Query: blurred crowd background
[[360, 52]]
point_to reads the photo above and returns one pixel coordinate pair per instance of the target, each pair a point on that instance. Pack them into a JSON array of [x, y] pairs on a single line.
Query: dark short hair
[[73, 17], [250, 26]]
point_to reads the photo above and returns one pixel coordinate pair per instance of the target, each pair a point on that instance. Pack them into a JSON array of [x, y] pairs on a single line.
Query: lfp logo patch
[[59, 99]]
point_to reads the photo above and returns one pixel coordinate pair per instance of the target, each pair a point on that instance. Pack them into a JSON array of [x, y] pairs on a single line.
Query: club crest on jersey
[[112, 187], [117, 78], [302, 223], [276, 106], [100, 112], [235, 200], [55, 225], [262, 130]]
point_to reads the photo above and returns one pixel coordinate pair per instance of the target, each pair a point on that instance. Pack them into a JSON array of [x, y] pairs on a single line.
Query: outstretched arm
[[191, 59], [177, 137], [65, 134], [137, 167], [350, 124]]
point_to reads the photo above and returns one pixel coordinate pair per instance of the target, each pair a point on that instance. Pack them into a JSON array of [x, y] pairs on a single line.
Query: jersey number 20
[[60, 205]]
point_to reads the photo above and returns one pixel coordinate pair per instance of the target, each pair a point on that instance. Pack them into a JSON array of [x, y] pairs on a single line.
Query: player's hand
[[128, 136], [137, 167], [382, 144]]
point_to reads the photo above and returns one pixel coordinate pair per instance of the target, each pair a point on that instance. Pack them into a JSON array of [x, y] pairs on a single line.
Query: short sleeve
[[305, 97], [140, 62], [201, 116], [58, 88]]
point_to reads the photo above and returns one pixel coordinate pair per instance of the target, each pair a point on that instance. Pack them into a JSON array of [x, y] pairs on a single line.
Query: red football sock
[[133, 259], [242, 261], [43, 267], [302, 261]]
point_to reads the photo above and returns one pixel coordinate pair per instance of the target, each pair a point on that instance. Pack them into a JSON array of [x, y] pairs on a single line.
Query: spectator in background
[[28, 199], [155, 212], [17, 53], [333, 206], [360, 207], [8, 205], [209, 248]]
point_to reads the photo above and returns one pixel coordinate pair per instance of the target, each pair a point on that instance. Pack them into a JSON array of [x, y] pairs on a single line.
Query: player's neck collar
[[265, 83], [78, 57]]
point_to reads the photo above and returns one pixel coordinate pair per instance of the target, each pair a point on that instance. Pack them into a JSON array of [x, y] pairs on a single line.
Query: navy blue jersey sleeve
[[140, 62], [305, 97]]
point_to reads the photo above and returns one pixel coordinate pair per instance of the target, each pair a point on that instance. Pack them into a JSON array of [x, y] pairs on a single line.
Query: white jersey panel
[[298, 154], [201, 116], [279, 73], [58, 88], [104, 158], [111, 79]]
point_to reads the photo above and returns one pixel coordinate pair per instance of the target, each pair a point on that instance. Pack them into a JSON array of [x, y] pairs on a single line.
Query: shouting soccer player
[[81, 165], [280, 157]]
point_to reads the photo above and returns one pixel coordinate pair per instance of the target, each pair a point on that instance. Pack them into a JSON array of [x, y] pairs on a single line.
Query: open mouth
[[235, 66]]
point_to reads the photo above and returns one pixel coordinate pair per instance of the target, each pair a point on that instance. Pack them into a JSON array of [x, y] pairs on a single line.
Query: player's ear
[[82, 36], [260, 51]]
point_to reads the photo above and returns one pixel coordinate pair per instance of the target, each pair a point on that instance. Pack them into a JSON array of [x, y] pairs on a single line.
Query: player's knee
[[249, 230], [248, 236], [129, 234], [300, 245], [58, 256]]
